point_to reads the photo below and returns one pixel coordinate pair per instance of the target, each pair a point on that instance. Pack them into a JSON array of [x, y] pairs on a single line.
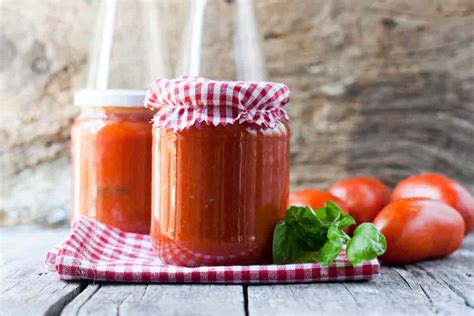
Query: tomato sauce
[[111, 158], [218, 192]]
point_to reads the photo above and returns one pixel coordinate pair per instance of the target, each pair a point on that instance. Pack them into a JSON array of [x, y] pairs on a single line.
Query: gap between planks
[[437, 286]]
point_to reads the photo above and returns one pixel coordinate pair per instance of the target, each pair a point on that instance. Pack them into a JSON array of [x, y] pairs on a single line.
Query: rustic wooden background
[[379, 87]]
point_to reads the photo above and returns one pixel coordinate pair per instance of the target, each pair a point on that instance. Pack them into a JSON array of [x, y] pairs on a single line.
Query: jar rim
[[109, 98]]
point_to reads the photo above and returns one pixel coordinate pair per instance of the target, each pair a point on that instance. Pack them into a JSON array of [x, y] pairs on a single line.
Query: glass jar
[[111, 159], [218, 189]]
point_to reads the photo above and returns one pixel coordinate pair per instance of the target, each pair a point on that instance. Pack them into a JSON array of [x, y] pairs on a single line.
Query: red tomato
[[438, 187], [418, 229], [315, 199], [364, 196]]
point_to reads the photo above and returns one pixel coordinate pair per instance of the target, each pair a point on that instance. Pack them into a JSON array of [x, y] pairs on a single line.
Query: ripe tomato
[[364, 196], [438, 187], [315, 199], [418, 229]]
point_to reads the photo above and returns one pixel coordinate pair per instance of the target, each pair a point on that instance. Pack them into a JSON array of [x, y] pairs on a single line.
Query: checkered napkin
[[185, 101], [95, 251]]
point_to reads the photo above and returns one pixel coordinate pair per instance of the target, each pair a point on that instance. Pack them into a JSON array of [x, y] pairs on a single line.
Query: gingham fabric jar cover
[[182, 102]]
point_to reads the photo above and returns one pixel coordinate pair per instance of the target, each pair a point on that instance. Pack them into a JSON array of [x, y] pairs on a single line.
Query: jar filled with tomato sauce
[[111, 159], [220, 170]]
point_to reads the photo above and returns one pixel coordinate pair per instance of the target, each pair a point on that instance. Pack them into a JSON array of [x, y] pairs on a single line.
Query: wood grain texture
[[383, 87], [26, 288], [444, 286], [39, 293], [151, 299]]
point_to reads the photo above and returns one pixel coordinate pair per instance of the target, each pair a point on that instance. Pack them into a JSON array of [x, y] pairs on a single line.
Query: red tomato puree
[[218, 192], [111, 158]]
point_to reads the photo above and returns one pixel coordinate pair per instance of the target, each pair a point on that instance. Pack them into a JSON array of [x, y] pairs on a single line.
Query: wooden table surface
[[444, 286]]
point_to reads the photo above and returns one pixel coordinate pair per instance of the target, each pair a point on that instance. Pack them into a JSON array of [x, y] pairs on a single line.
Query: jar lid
[[110, 97], [184, 101]]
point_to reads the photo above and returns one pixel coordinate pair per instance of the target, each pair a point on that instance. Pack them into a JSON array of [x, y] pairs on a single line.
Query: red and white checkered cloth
[[95, 251], [184, 101]]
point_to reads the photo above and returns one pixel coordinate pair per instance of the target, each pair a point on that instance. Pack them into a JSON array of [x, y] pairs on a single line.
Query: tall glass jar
[[220, 181], [111, 159]]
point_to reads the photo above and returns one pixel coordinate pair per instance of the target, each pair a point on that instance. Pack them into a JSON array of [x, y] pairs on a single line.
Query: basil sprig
[[308, 236], [366, 244]]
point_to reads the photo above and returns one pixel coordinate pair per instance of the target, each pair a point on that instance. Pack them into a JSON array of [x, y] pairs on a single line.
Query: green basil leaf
[[307, 236], [345, 221], [286, 247], [332, 247], [329, 213], [306, 227], [283, 243], [366, 244]]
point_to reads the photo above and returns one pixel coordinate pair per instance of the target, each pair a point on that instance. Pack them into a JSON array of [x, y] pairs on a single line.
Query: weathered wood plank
[[297, 299], [456, 274], [36, 294], [115, 299], [26, 288], [456, 271], [387, 294], [444, 286]]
